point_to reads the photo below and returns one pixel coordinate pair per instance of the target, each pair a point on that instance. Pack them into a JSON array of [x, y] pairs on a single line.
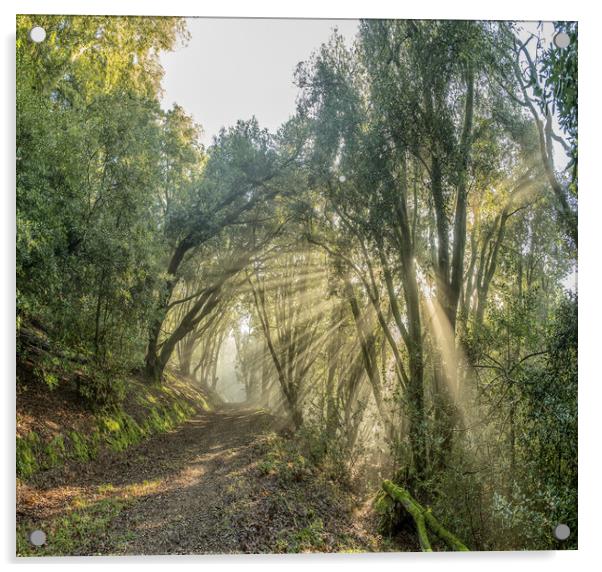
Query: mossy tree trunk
[[423, 519]]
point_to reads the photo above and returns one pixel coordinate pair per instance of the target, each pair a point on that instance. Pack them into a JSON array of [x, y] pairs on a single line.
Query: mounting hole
[[37, 537], [562, 40], [37, 34], [562, 532]]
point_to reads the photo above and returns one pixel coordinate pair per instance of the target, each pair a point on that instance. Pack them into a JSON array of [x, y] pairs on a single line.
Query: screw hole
[[37, 537], [37, 34], [562, 40], [562, 532]]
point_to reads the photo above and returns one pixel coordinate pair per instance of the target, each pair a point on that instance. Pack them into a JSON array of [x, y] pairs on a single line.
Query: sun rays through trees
[[385, 273]]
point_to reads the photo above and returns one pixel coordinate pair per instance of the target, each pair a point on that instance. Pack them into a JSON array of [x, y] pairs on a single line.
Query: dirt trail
[[198, 489]]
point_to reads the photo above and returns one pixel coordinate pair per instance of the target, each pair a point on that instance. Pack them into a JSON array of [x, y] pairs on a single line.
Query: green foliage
[[114, 428], [101, 388], [284, 460], [331, 455], [389, 515], [55, 451], [559, 76], [28, 448], [76, 532], [529, 518], [50, 379], [307, 539], [91, 193], [516, 497], [548, 441]]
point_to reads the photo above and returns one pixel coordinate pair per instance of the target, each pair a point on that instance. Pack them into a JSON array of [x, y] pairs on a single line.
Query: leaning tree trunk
[[153, 367], [423, 519]]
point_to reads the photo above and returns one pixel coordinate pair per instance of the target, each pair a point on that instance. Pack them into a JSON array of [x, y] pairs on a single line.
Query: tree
[[289, 323], [544, 80], [89, 131], [242, 172]]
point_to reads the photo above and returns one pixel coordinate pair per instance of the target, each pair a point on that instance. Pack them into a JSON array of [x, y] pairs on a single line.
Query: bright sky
[[235, 68]]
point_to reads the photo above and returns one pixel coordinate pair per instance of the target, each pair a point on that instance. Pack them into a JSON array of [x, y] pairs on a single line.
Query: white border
[[590, 211]]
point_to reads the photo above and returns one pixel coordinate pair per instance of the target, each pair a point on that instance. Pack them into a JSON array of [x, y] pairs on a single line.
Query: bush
[[114, 428], [101, 389]]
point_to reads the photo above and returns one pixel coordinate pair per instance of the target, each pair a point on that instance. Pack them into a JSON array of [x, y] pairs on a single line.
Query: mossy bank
[[144, 411]]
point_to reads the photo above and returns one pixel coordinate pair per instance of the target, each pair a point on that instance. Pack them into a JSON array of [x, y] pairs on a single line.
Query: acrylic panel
[[295, 285]]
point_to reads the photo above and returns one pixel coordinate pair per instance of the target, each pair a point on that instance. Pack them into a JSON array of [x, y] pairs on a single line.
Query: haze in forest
[[250, 73], [311, 296]]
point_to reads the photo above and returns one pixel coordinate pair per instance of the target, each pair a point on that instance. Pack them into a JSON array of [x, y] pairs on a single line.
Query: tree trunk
[[185, 356], [153, 366], [423, 518], [334, 347]]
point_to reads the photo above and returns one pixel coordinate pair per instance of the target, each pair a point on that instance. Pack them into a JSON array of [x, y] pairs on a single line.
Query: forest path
[[194, 490]]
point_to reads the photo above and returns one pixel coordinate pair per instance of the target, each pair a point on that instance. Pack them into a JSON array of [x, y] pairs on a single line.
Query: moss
[[109, 424], [422, 517], [94, 441], [27, 454], [121, 431], [145, 399], [80, 448], [165, 390], [383, 503], [204, 403], [115, 429], [162, 419], [155, 422], [55, 452]]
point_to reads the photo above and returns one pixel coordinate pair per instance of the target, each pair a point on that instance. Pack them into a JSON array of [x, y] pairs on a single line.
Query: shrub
[[101, 389]]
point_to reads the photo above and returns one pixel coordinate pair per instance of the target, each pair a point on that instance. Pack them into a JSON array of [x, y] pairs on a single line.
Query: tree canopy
[[391, 263]]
